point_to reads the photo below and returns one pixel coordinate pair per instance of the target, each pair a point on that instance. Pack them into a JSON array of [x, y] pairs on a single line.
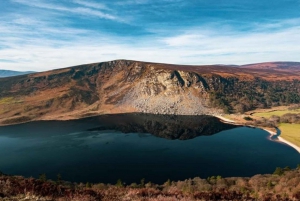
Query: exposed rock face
[[168, 92], [127, 86]]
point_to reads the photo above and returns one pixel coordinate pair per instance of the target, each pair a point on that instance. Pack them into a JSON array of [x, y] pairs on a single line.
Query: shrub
[[43, 177], [88, 185], [278, 171], [248, 118], [119, 183]]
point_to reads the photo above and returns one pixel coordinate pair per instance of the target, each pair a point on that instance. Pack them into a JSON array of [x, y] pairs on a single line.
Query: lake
[[135, 146]]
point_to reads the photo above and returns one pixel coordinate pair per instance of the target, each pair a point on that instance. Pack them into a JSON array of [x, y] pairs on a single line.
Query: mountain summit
[[123, 86]]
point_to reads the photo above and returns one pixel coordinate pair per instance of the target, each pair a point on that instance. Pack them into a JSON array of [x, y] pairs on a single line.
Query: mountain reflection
[[180, 127]]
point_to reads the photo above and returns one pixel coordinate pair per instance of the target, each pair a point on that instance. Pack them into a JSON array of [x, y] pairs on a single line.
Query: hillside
[[10, 73], [131, 86]]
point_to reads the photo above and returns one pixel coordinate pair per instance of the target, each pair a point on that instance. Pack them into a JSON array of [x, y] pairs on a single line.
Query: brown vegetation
[[130, 86], [283, 185]]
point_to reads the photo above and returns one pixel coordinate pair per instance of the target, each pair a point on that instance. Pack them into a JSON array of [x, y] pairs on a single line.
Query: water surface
[[135, 146]]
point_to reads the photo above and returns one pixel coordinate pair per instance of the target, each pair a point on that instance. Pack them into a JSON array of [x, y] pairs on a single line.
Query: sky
[[41, 35]]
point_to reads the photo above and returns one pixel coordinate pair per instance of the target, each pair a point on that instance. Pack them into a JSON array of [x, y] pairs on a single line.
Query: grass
[[6, 100], [290, 132], [277, 113], [9, 100]]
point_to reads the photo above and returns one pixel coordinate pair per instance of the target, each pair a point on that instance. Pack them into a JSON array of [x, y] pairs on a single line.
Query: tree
[[43, 177], [88, 185], [167, 183], [58, 179], [143, 182], [119, 183], [248, 118], [278, 171]]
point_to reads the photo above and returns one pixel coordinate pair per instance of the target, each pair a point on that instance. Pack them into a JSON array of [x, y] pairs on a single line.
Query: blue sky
[[46, 34]]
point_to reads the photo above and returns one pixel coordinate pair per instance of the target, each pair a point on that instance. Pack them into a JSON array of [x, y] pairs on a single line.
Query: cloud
[[37, 42], [74, 10], [196, 48], [91, 4], [144, 2], [259, 40], [130, 2]]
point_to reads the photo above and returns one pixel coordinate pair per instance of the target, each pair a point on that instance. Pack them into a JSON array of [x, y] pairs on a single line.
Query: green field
[[291, 133], [277, 113]]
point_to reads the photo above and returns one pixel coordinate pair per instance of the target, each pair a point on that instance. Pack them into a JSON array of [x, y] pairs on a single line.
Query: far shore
[[272, 133]]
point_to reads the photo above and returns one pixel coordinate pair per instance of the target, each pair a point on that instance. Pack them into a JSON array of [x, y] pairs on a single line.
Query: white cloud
[[29, 43], [92, 4], [279, 43], [130, 2], [75, 10]]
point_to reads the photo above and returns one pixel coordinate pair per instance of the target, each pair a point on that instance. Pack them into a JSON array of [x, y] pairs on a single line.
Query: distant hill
[[124, 86], [10, 73], [274, 65]]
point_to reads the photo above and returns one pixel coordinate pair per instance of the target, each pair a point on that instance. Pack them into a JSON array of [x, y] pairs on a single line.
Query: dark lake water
[[135, 146]]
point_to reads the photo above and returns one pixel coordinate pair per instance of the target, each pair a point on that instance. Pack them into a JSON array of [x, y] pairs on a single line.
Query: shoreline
[[289, 143], [223, 119], [272, 133]]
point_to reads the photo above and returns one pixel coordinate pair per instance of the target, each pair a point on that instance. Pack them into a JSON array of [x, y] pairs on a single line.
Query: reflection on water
[[112, 147], [166, 126]]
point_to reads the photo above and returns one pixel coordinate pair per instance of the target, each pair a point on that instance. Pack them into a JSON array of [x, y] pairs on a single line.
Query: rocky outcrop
[[169, 92]]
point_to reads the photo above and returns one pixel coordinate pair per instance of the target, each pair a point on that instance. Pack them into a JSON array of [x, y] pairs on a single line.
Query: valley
[[151, 112]]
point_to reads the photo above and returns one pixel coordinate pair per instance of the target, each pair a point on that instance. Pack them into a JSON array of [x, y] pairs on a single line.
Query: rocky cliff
[[123, 86]]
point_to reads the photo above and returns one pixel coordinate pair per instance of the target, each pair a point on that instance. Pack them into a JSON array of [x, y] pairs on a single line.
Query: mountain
[[9, 73], [124, 86]]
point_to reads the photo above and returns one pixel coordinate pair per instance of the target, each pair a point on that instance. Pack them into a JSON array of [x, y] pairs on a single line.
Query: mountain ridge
[[10, 73], [123, 86], [273, 65]]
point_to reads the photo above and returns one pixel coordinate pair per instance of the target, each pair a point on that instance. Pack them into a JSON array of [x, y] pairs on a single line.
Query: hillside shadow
[[182, 127]]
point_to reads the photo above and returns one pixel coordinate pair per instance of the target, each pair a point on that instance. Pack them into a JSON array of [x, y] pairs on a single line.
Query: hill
[[283, 66], [9, 73], [123, 86]]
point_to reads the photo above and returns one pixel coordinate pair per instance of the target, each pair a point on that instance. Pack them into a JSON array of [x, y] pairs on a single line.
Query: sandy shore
[[269, 131], [280, 139], [225, 119], [272, 133]]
